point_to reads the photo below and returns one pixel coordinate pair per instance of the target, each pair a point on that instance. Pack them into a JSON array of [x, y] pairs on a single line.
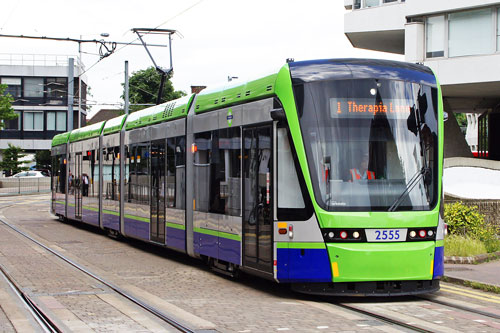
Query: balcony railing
[[38, 60], [358, 4]]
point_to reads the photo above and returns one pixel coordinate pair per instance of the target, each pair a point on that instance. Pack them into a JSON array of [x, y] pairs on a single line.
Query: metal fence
[[24, 185]]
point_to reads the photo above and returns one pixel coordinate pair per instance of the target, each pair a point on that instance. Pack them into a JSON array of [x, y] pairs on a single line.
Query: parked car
[[28, 174]]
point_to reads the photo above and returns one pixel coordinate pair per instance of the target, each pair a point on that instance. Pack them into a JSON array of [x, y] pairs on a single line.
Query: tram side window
[[59, 174], [218, 171], [111, 173], [176, 172], [89, 172], [291, 204], [230, 184], [202, 158], [138, 184]]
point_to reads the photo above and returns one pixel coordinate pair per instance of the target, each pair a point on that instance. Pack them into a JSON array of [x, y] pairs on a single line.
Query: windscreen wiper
[[424, 172]]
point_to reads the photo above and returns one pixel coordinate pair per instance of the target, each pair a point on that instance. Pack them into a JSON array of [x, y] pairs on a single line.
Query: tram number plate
[[386, 235]]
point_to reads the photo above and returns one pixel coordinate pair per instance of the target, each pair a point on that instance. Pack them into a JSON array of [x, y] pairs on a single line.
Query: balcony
[[376, 24]]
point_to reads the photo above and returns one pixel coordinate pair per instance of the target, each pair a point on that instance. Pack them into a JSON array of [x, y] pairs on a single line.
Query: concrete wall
[[454, 141]]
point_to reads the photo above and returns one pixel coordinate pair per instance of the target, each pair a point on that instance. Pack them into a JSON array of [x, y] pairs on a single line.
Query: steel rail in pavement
[[181, 327]]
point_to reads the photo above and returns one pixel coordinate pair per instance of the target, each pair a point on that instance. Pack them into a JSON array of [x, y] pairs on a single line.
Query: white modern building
[[39, 85], [459, 40]]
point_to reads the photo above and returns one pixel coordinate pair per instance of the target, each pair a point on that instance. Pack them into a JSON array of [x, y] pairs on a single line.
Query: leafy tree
[[43, 159], [461, 119], [144, 86], [11, 163], [6, 110]]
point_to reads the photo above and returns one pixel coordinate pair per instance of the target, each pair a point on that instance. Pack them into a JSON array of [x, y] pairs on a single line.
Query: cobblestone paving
[[246, 305], [5, 325], [60, 288]]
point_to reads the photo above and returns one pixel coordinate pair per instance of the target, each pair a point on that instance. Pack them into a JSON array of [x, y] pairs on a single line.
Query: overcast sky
[[217, 38]]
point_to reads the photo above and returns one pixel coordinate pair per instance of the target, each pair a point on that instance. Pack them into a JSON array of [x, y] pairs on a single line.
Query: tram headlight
[[331, 235], [413, 234], [355, 235], [430, 233]]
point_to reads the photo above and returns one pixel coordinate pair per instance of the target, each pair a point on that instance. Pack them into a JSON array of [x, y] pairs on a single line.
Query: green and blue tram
[[325, 175]]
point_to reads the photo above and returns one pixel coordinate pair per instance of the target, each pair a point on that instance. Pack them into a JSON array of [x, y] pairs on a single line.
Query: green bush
[[468, 222], [456, 245]]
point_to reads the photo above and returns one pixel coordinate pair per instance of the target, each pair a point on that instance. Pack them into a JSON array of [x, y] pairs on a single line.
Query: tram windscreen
[[371, 145]]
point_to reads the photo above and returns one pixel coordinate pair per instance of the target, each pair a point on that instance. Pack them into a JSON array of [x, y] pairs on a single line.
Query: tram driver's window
[[290, 199]]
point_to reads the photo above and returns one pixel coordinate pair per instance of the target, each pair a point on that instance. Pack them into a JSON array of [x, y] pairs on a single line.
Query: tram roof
[[114, 125], [236, 93], [159, 113], [87, 132], [60, 139]]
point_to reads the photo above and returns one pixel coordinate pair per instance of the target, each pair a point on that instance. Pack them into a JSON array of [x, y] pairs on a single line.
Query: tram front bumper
[[381, 261]]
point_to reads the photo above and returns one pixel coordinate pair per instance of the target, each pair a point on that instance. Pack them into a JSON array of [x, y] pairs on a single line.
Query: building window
[[14, 124], [470, 33], [33, 121], [13, 86], [56, 121], [498, 29], [56, 87], [435, 36], [372, 3], [33, 87]]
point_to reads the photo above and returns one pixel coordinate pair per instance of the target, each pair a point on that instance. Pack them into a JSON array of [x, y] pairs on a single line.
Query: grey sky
[[218, 37]]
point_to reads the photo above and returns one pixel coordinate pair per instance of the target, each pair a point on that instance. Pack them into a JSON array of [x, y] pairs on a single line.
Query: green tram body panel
[[60, 139], [236, 94], [87, 132], [381, 261], [164, 112], [114, 125]]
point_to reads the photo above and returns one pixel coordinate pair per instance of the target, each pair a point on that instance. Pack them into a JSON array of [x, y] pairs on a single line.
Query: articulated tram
[[325, 175]]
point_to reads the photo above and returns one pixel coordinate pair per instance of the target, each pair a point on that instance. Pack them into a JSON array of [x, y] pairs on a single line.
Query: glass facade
[[435, 36], [33, 121], [470, 33], [56, 121], [33, 87], [498, 29], [465, 33]]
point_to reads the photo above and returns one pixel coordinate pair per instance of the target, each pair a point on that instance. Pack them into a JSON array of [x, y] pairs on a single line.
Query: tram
[[325, 175]]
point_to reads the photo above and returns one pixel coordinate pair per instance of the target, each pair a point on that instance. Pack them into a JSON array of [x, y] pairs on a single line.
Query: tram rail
[[51, 327], [382, 318], [45, 322]]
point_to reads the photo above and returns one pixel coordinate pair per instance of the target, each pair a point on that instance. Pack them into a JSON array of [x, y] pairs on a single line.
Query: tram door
[[78, 185], [257, 199], [157, 231]]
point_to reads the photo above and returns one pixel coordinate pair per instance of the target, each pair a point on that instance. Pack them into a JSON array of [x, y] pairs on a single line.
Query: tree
[[6, 110], [144, 86], [43, 159], [11, 163]]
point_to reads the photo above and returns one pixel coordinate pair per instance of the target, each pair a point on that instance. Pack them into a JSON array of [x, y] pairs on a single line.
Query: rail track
[[382, 318], [47, 324]]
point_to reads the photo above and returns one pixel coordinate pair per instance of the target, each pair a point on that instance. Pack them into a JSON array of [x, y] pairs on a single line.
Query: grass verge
[[460, 246]]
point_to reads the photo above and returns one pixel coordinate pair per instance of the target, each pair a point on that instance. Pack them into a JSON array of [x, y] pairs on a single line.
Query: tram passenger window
[[141, 184], [176, 173], [202, 156], [111, 173], [230, 166], [217, 170]]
